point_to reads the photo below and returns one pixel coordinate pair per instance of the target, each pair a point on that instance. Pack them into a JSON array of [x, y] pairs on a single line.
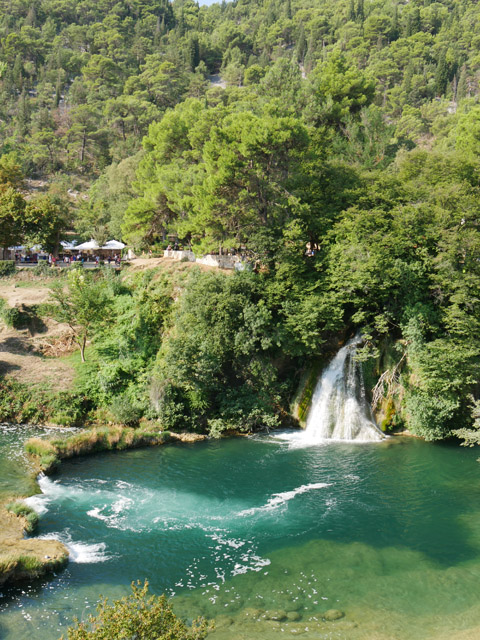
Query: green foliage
[[125, 411], [340, 161], [19, 564], [84, 304], [7, 268], [11, 316], [471, 437], [138, 615]]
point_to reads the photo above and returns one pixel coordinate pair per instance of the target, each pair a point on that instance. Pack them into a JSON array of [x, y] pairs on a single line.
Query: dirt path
[[139, 264], [16, 295]]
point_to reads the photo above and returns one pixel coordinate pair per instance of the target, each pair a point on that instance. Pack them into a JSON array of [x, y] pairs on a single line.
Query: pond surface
[[387, 533]]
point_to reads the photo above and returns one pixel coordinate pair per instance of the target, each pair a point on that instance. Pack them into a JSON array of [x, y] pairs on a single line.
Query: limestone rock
[[333, 614], [277, 615], [293, 616]]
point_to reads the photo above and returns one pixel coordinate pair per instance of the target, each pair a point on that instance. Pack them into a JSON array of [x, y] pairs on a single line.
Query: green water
[[15, 470], [235, 530]]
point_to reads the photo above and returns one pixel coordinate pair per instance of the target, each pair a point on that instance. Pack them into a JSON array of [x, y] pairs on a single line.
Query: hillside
[[333, 145]]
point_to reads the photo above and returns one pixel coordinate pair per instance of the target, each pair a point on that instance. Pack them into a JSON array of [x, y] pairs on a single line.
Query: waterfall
[[339, 409]]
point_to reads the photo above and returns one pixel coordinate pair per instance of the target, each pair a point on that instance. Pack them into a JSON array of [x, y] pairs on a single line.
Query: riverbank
[[21, 558], [29, 558]]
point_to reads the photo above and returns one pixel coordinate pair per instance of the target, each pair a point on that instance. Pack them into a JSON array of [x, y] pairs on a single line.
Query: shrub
[[125, 412], [140, 616], [11, 316], [7, 268], [69, 409], [21, 403], [44, 269]]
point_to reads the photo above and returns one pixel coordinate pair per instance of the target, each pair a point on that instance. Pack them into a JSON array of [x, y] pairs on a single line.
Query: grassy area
[[48, 453], [12, 562], [23, 510], [29, 559]]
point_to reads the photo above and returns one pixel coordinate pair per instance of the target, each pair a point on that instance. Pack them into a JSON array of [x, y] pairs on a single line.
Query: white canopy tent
[[92, 245], [68, 246], [115, 245]]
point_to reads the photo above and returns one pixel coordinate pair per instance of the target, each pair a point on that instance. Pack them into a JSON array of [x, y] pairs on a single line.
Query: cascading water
[[339, 409]]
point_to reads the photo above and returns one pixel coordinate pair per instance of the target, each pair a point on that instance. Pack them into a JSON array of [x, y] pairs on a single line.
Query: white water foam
[[279, 499], [80, 552], [339, 409], [50, 490], [117, 509]]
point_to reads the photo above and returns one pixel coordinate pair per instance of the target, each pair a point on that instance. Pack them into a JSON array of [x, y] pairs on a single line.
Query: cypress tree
[[301, 48], [441, 75], [407, 78], [288, 10], [351, 11], [414, 24], [462, 86], [360, 14], [395, 30]]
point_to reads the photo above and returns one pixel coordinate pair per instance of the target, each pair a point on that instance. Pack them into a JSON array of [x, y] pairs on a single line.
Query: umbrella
[[113, 244], [68, 245], [87, 246]]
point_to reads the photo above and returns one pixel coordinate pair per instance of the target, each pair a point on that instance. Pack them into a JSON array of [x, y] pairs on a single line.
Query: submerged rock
[[333, 614], [253, 614], [293, 616], [223, 621], [277, 615]]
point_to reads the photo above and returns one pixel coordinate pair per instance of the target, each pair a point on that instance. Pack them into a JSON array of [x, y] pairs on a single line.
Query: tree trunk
[[84, 144], [82, 348]]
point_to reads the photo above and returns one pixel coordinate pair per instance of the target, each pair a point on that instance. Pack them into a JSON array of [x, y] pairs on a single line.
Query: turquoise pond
[[388, 533]]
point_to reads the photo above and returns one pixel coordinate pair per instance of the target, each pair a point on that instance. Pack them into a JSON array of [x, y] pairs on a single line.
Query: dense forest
[[335, 144]]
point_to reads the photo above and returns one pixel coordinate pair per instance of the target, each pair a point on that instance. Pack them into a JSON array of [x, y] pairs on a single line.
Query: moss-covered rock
[[303, 399], [333, 614]]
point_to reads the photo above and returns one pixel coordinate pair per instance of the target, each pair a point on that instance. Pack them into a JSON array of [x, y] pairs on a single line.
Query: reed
[[22, 510], [49, 452]]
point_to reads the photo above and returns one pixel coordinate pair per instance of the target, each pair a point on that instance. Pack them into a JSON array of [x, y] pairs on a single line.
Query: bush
[[69, 409], [11, 316], [140, 616], [7, 268], [21, 403], [125, 412], [44, 269]]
